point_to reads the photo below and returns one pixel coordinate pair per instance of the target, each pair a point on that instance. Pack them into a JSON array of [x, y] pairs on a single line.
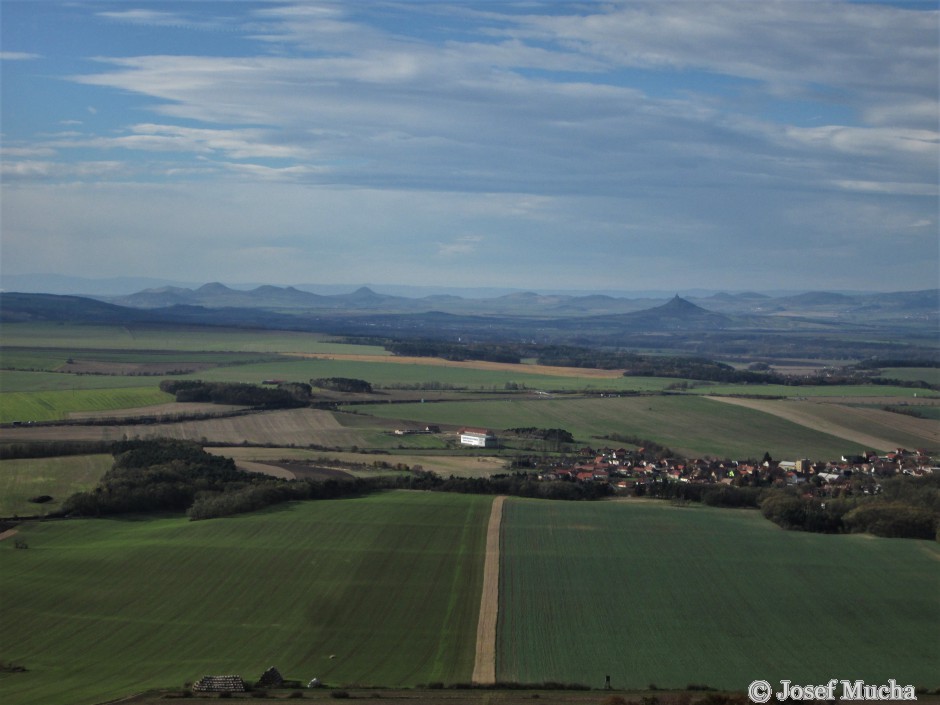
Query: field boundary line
[[484, 667]]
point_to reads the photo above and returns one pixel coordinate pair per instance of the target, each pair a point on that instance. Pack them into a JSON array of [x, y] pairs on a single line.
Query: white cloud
[[18, 56], [461, 246], [345, 144], [31, 169], [141, 16], [892, 188]]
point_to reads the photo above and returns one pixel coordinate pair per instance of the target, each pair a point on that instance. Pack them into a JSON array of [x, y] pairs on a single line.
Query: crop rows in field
[[379, 590], [56, 405], [649, 593]]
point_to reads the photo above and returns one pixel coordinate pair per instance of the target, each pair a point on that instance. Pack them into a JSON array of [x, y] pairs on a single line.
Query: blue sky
[[670, 144]]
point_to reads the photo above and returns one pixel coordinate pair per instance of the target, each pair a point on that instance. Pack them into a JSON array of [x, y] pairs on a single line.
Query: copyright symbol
[[759, 691]]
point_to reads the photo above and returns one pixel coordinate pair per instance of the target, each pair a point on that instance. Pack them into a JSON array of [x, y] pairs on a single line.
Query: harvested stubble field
[[444, 465], [169, 411], [651, 593], [286, 427], [384, 589]]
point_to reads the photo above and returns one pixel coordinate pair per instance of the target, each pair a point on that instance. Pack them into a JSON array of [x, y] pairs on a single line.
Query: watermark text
[[762, 691]]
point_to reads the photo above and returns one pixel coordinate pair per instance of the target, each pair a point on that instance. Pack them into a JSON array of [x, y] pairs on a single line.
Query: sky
[[670, 144]]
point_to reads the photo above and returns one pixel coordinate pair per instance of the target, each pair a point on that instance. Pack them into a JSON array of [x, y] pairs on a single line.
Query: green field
[[835, 391], [653, 594], [688, 424], [56, 405], [57, 477], [931, 375], [392, 374], [19, 381], [379, 590], [74, 337]]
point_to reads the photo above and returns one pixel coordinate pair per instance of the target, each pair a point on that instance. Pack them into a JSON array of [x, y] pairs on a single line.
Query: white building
[[477, 437]]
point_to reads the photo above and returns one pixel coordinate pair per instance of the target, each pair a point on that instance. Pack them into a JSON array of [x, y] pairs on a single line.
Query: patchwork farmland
[[390, 584], [386, 590]]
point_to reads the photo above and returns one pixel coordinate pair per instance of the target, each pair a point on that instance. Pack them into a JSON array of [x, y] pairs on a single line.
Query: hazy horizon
[[641, 146], [120, 286]]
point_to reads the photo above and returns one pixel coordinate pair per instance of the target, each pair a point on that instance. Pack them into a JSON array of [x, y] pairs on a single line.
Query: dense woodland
[[285, 396]]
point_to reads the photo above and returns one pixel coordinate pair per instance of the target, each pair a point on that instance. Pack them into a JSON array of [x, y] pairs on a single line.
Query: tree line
[[179, 476], [284, 396], [904, 507], [489, 352], [343, 384], [640, 365], [166, 475]]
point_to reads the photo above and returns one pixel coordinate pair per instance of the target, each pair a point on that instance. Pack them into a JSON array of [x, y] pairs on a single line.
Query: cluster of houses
[[625, 469]]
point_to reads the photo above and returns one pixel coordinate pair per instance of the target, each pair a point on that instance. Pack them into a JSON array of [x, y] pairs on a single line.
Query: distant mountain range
[[717, 322], [825, 305]]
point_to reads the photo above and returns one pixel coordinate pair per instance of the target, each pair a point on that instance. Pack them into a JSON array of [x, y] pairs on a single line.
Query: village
[[630, 471], [634, 471]]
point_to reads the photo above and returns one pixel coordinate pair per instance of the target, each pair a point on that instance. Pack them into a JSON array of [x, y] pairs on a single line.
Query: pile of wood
[[271, 678], [219, 684]]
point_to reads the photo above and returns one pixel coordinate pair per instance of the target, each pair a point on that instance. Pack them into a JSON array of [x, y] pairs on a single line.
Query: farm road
[[484, 668]]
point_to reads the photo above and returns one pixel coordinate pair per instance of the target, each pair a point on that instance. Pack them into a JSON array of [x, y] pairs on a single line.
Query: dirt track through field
[[484, 668], [820, 417]]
